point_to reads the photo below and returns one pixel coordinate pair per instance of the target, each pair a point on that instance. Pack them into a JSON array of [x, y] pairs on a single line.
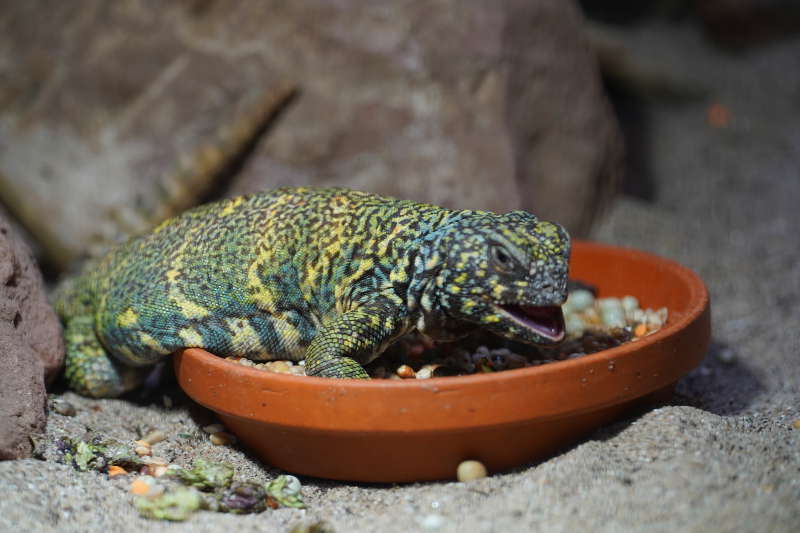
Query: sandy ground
[[723, 456]]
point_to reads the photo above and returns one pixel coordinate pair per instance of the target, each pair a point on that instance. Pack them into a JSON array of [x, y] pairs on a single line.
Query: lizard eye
[[501, 257]]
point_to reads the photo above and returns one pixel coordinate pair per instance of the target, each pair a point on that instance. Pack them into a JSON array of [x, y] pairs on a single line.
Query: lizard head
[[507, 274]]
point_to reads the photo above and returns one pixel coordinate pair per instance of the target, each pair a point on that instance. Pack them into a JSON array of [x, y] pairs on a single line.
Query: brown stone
[[31, 345]]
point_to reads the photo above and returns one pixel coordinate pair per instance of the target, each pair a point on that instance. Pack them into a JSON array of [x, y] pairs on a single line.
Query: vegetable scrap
[[205, 475], [175, 505], [166, 491], [285, 490], [97, 454]]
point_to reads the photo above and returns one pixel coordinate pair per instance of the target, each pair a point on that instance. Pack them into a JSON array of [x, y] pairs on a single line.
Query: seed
[[213, 428], [427, 371], [143, 450], [470, 470], [153, 437], [222, 438], [640, 330], [297, 370], [405, 372], [114, 471], [280, 367], [140, 487], [155, 461], [154, 470]]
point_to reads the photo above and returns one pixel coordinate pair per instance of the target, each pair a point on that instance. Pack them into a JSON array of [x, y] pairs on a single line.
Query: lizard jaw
[[546, 321]]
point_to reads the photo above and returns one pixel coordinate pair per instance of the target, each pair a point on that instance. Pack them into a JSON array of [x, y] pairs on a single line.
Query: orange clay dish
[[398, 430]]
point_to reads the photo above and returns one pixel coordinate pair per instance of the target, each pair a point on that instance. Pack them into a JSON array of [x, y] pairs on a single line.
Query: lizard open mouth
[[546, 320]]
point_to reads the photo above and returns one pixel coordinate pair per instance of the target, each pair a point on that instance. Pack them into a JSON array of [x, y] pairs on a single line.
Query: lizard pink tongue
[[547, 321]]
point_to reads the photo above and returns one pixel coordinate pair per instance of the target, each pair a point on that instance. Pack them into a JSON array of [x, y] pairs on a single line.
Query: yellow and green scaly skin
[[330, 275]]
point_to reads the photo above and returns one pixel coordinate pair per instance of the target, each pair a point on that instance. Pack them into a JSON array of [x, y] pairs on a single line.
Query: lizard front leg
[[353, 339], [89, 369]]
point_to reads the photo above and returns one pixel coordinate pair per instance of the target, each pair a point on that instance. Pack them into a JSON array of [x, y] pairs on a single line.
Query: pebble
[[611, 312], [214, 428], [222, 438], [575, 325], [579, 300], [470, 470], [656, 319], [63, 407], [630, 304], [796, 424], [727, 356], [154, 437]]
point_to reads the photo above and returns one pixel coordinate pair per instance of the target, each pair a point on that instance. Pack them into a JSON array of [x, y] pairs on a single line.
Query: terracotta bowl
[[411, 430]]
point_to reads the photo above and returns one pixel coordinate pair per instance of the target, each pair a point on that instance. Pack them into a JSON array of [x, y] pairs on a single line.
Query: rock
[[24, 304], [125, 107], [462, 103], [22, 397], [31, 346]]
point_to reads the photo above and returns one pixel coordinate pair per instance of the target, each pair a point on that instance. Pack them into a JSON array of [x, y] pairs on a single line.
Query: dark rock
[[24, 304], [743, 23], [31, 346]]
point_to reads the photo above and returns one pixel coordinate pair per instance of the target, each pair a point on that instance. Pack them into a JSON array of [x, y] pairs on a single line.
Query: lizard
[[332, 276]]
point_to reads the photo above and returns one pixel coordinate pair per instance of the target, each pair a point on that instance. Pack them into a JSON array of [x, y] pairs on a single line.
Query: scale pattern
[[330, 275]]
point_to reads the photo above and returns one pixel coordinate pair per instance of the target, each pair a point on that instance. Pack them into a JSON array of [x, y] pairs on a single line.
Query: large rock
[[469, 104], [31, 346], [463, 103], [109, 122]]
